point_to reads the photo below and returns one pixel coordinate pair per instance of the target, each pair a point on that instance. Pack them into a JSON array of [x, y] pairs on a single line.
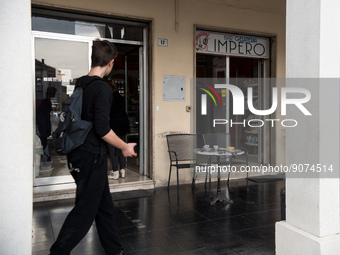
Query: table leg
[[219, 196], [209, 175]]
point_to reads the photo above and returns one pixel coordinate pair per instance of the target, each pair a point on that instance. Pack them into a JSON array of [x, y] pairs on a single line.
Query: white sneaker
[[115, 175], [122, 173]]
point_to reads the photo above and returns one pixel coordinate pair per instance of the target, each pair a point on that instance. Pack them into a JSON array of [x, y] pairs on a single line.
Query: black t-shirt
[[97, 97], [43, 117], [119, 121]]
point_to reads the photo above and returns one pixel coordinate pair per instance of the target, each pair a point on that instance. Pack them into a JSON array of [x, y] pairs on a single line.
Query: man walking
[[89, 162]]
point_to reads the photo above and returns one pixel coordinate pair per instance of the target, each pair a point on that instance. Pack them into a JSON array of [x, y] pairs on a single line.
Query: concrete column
[[16, 129], [312, 223]]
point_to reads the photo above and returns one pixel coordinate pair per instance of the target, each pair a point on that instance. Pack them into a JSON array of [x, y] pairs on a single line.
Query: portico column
[[312, 223], [16, 128]]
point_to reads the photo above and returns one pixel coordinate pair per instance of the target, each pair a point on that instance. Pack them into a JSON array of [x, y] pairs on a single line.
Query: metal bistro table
[[219, 153]]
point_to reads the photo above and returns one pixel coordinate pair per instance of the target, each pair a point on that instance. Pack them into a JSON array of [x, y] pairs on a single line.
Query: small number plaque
[[162, 42]]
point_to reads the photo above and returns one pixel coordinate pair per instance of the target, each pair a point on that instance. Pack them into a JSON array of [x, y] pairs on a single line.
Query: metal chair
[[223, 141], [181, 153]]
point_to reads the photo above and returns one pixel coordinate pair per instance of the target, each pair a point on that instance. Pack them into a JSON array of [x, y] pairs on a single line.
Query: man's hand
[[129, 150], [126, 148]]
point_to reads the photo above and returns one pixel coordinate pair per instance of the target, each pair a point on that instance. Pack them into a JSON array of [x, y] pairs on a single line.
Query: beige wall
[[266, 17]]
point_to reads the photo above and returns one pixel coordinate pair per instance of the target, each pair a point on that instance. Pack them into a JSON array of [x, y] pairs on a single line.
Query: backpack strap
[[79, 84]]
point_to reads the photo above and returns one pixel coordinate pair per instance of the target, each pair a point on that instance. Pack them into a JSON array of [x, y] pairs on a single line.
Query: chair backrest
[[183, 145], [220, 139]]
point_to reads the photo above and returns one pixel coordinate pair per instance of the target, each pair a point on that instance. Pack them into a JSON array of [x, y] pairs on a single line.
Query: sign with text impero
[[231, 44]]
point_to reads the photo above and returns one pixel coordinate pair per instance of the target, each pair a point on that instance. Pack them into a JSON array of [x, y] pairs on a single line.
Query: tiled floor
[[162, 225]]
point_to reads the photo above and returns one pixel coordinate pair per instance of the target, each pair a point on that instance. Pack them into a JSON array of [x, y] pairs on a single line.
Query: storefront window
[[236, 60], [53, 25], [97, 30], [62, 48]]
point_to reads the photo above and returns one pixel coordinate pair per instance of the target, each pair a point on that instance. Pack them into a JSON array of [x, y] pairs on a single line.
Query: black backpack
[[72, 130]]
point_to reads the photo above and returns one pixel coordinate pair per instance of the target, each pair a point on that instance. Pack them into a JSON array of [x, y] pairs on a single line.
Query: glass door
[[127, 75], [57, 63], [210, 69], [59, 60], [241, 72], [62, 52], [247, 73]]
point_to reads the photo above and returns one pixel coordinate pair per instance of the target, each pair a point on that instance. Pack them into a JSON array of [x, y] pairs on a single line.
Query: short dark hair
[[50, 92], [112, 84], [103, 52]]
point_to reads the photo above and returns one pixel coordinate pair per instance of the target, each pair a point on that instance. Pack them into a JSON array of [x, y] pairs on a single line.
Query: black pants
[[117, 156], [93, 202], [46, 156]]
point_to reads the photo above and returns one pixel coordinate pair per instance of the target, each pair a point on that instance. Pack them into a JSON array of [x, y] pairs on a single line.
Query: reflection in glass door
[[57, 64]]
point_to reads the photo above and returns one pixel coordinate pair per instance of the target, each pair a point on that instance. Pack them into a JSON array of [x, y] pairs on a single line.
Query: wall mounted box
[[173, 88]]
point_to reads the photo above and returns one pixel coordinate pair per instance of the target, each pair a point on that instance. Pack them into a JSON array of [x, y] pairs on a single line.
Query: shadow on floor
[[161, 224]]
